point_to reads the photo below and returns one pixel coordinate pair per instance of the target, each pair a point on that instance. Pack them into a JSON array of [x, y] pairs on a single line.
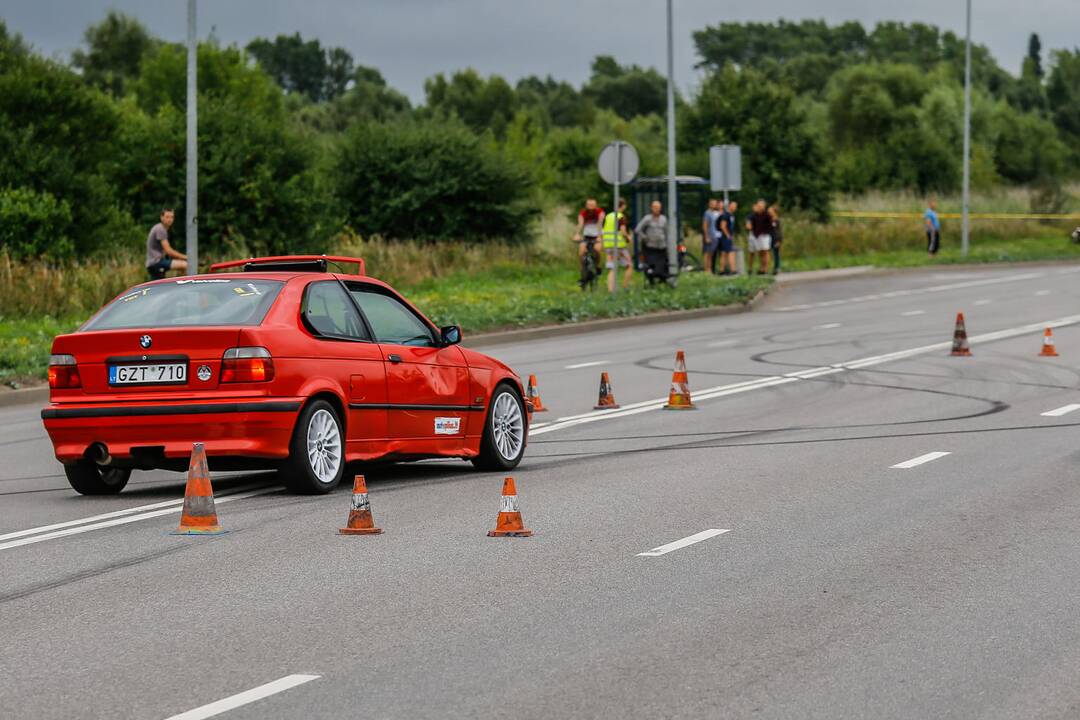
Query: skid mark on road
[[786, 378]]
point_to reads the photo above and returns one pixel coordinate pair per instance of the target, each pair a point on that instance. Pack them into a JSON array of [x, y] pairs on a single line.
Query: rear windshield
[[189, 301]]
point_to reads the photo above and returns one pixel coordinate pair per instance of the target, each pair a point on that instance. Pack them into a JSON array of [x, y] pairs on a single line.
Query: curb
[[25, 396], [589, 326]]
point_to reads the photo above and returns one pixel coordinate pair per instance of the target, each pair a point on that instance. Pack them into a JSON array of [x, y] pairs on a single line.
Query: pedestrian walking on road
[[777, 237], [161, 257], [759, 224], [710, 236], [933, 227], [617, 246]]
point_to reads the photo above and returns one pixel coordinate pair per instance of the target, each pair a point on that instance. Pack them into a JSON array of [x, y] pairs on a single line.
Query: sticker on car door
[[447, 425]]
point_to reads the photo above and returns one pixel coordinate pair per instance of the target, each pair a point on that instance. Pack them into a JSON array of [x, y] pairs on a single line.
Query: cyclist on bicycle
[[617, 246], [589, 221]]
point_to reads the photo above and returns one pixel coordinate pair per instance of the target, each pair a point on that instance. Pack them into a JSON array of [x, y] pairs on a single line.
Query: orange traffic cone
[[198, 516], [1048, 349], [532, 394], [360, 521], [960, 342], [679, 397], [509, 523], [607, 397]]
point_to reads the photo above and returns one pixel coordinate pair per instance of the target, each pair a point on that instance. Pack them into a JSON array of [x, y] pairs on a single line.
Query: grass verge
[[508, 297]]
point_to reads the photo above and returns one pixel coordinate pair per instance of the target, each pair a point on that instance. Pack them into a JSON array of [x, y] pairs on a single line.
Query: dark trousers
[[933, 241], [776, 256]]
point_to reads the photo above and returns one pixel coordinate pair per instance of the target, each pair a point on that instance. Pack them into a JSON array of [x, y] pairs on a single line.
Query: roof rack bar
[[359, 262]]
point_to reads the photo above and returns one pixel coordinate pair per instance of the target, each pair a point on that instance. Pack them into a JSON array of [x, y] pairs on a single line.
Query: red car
[[279, 363]]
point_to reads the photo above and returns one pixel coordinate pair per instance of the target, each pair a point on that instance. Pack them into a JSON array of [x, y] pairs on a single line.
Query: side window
[[329, 312], [391, 321]]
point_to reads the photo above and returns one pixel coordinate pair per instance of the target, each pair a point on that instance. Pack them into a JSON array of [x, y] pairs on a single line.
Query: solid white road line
[[772, 380], [915, 291], [248, 696], [920, 460], [585, 364], [117, 513], [128, 519], [1064, 410], [913, 313], [826, 326], [695, 538]]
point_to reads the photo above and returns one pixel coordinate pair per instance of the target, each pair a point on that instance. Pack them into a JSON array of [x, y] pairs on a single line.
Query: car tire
[[497, 445], [88, 478], [317, 451]]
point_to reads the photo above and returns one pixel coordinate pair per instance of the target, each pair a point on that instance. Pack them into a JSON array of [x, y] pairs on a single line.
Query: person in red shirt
[[590, 222]]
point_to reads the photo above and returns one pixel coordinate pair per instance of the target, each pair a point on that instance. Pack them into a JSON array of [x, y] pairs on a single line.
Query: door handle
[[394, 358]]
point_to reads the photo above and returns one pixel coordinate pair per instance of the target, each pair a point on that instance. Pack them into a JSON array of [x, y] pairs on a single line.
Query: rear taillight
[[63, 372], [247, 364]]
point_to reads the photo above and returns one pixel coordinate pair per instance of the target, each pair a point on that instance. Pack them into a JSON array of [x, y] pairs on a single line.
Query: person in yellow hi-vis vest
[[619, 243]]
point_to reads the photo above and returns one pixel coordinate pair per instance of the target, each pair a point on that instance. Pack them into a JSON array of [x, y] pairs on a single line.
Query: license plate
[[158, 374]]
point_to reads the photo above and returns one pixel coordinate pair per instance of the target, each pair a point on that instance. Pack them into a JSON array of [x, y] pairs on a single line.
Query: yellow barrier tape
[[950, 216]]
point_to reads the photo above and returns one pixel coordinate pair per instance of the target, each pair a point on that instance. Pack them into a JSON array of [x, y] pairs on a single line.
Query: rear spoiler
[[290, 263]]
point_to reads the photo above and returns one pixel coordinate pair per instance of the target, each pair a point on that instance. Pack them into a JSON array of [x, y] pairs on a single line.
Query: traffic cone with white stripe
[[607, 396], [509, 523], [360, 521], [1048, 349], [199, 517], [533, 395], [679, 397], [960, 347]]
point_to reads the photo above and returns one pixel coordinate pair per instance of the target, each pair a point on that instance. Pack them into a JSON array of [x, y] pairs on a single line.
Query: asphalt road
[[844, 587]]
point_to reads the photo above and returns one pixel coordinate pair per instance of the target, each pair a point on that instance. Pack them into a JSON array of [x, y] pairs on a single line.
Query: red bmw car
[[280, 362]]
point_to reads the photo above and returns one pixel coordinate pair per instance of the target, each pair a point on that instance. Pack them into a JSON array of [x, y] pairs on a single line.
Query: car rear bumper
[[140, 433]]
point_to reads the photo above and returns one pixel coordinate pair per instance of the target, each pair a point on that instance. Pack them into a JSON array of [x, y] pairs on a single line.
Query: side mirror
[[451, 335]]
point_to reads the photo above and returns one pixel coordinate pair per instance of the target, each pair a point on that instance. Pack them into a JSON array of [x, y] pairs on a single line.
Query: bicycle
[[589, 268]]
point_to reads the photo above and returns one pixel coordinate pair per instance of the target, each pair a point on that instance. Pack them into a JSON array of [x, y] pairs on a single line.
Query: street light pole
[[967, 138], [191, 229], [672, 226]]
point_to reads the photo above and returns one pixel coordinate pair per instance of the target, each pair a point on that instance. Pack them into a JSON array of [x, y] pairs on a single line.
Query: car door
[[427, 383], [346, 350]]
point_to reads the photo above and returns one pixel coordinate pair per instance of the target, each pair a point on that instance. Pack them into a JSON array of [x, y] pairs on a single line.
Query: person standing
[[710, 235], [652, 231], [759, 224], [777, 237], [161, 257], [617, 246], [933, 227], [725, 224]]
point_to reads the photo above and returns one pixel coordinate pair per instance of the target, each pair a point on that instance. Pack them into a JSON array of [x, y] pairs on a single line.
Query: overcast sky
[[410, 40]]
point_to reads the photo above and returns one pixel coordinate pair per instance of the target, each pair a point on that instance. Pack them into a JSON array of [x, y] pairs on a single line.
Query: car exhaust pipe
[[99, 454]]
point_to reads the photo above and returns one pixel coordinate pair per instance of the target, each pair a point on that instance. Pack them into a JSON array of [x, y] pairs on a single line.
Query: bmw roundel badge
[[204, 373], [146, 341]]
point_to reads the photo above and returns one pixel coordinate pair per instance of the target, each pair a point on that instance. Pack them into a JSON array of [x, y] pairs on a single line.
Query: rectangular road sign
[[725, 167]]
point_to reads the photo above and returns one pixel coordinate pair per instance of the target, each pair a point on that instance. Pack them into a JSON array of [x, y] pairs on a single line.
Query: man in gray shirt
[[160, 255], [653, 229]]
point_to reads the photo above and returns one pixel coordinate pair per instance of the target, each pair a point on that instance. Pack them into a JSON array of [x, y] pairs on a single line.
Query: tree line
[[299, 142]]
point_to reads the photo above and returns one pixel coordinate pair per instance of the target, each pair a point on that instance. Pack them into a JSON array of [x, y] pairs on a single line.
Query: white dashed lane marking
[[248, 696], [826, 326], [586, 364], [1064, 410], [912, 313], [695, 538], [913, 462]]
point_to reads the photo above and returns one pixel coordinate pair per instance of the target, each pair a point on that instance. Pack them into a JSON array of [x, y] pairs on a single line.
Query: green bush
[[430, 181], [34, 224]]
